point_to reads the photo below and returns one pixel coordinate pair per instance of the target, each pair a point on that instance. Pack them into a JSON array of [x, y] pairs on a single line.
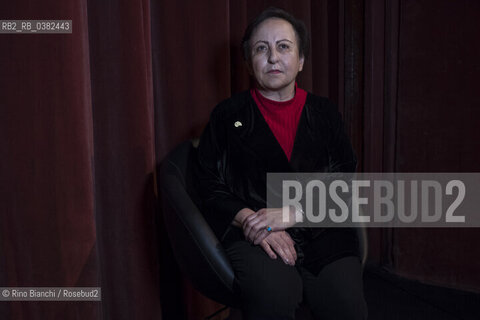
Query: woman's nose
[[273, 56]]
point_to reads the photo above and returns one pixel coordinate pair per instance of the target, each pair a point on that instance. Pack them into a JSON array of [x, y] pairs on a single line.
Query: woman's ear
[[301, 61]]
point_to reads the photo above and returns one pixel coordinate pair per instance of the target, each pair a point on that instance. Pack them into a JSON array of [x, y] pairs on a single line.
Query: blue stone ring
[[269, 229]]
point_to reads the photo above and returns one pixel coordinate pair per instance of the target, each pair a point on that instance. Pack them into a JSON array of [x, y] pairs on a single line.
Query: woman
[[278, 127]]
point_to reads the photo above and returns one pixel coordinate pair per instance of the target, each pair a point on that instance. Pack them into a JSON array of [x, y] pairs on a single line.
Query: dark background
[[86, 117]]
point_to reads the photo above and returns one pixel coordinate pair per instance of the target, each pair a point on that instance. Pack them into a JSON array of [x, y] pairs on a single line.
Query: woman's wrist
[[241, 216]]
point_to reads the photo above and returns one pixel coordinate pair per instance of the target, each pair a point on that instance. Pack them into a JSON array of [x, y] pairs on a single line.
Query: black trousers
[[270, 289]]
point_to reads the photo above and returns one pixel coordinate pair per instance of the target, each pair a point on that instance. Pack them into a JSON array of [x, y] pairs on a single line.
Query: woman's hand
[[281, 243], [241, 216], [255, 226]]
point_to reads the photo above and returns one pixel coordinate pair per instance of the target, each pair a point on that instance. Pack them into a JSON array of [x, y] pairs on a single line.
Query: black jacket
[[237, 149]]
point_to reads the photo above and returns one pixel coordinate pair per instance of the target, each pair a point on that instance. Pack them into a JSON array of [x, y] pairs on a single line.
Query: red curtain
[[77, 160]]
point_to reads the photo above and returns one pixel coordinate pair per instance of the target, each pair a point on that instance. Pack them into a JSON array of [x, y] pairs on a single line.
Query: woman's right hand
[[280, 242]]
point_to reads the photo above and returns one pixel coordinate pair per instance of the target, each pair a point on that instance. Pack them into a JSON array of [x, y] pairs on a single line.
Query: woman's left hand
[[255, 226]]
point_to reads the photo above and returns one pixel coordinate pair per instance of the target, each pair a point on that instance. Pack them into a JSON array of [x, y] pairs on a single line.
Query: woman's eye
[[284, 46], [261, 49]]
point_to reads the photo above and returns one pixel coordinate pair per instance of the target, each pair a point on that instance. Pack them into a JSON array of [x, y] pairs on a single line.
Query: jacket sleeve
[[219, 204]]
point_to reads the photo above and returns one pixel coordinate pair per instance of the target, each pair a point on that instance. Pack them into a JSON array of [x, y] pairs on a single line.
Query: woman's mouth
[[274, 71]]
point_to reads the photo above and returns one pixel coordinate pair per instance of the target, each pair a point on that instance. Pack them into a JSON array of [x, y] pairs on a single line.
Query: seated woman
[[278, 127]]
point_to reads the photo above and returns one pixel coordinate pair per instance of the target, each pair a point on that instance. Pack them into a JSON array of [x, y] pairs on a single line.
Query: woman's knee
[[275, 292], [264, 285]]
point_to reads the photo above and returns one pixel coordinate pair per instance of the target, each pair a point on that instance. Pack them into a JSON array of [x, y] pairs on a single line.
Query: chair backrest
[[198, 252]]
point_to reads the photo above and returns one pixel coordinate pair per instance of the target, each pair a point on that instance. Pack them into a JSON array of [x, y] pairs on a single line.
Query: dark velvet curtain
[[77, 160], [84, 120]]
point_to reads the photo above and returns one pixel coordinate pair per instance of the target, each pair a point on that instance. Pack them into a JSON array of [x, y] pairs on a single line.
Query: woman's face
[[275, 60]]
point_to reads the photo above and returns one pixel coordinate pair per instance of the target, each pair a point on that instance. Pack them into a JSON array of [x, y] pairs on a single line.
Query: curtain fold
[[77, 160], [47, 212], [122, 103]]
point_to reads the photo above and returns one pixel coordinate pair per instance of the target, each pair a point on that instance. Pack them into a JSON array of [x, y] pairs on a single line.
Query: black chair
[[199, 253]]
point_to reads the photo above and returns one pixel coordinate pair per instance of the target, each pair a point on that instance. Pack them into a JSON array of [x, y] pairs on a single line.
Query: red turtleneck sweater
[[282, 116]]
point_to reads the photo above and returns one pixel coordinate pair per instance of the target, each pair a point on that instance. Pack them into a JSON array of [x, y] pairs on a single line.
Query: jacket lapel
[[261, 142], [258, 140]]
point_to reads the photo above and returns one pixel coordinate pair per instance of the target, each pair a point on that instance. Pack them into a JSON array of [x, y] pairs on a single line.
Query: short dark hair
[[301, 32]]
